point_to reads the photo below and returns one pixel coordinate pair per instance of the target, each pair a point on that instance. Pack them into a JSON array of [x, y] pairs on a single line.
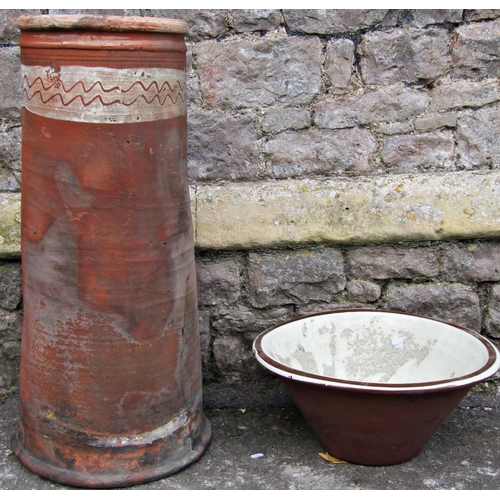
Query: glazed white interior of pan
[[376, 347]]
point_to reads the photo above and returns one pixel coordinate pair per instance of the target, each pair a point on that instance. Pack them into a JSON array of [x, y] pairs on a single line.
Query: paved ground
[[463, 454]]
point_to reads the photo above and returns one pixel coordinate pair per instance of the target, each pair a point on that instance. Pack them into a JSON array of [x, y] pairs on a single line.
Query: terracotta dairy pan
[[110, 366], [375, 385]]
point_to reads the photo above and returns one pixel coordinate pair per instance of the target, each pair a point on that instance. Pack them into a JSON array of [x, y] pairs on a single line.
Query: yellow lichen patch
[[411, 216]]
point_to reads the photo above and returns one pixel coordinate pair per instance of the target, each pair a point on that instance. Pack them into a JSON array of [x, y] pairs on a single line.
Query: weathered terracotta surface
[[111, 368], [373, 428]]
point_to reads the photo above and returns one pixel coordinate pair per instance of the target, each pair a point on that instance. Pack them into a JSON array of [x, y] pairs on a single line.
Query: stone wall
[[337, 158]]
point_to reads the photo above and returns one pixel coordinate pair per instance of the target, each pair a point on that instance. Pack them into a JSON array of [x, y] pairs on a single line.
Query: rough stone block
[[389, 104], [218, 283], [10, 285], [189, 59], [193, 93], [333, 21], [492, 321], [434, 122], [315, 151], [10, 160], [394, 128], [10, 350], [278, 120], [464, 93], [205, 344], [477, 134], [244, 20], [339, 65], [332, 306], [455, 303], [233, 359], [216, 151], [472, 263], [248, 322], [476, 53], [480, 14], [10, 326], [295, 277], [243, 73], [408, 55], [9, 33], [341, 112], [425, 17], [427, 151], [203, 23], [363, 291], [387, 262], [10, 89]]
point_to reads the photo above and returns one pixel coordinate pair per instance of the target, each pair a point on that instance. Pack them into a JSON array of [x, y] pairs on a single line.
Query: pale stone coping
[[420, 207], [10, 225]]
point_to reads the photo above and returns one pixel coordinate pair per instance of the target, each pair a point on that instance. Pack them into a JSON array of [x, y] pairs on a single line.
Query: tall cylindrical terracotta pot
[[110, 367]]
